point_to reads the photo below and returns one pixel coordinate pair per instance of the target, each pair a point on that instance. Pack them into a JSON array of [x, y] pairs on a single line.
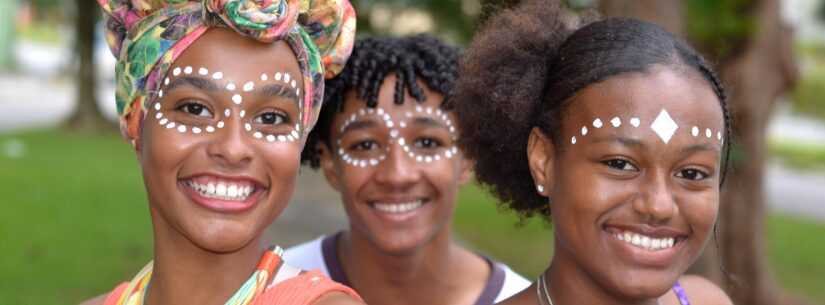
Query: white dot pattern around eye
[[663, 125], [291, 135], [396, 140]]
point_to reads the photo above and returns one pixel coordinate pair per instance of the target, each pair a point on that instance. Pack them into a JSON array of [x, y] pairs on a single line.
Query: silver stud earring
[[540, 188]]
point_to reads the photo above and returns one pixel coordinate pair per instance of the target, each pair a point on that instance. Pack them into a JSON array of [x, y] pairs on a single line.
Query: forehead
[[687, 97], [386, 99], [236, 56]]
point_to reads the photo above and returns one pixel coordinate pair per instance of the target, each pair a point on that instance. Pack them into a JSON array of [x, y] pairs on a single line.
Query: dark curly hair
[[411, 58], [520, 72]]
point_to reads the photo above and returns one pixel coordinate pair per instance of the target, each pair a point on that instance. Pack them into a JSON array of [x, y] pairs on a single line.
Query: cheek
[[166, 149], [701, 212]]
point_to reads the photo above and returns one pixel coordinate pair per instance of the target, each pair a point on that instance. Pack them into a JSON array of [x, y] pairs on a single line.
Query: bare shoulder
[[98, 300], [701, 291], [338, 298]]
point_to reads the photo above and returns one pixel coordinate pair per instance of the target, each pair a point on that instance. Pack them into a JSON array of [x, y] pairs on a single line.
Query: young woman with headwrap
[[217, 97]]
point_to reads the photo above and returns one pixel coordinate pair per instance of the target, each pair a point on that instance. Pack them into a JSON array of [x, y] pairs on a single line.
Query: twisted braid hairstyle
[[411, 59], [521, 71]]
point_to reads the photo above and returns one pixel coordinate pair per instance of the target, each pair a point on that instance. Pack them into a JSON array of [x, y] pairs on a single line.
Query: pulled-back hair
[[521, 71]]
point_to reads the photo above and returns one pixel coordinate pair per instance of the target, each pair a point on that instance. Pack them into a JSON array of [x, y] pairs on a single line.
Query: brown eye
[[195, 108], [692, 174], [364, 145], [620, 164], [270, 118], [427, 143]]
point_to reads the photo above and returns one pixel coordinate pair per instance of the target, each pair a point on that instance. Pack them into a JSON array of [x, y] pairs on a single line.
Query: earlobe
[[467, 173], [540, 156], [328, 166]]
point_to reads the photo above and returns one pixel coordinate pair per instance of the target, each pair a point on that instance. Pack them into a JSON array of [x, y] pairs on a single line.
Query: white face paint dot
[[573, 140], [635, 122], [270, 138], [694, 131], [227, 113], [176, 71], [708, 133], [281, 138], [210, 129], [163, 122], [294, 134], [182, 128], [160, 93], [217, 75], [598, 123], [292, 83], [584, 130], [719, 135], [278, 76], [166, 82], [616, 122], [203, 71], [394, 133], [196, 130], [170, 125], [220, 124], [286, 77], [157, 106], [258, 135], [159, 115], [664, 126], [248, 86], [243, 113], [247, 127], [237, 99], [230, 86], [187, 70], [264, 77]]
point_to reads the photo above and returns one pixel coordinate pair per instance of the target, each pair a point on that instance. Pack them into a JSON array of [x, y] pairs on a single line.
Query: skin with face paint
[[398, 173], [212, 191], [631, 211]]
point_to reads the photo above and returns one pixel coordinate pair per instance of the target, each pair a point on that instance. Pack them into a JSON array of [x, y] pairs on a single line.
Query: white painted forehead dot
[[237, 99], [719, 135], [708, 133], [286, 77], [584, 130], [597, 123], [264, 77], [635, 122], [278, 76], [573, 140], [694, 131], [230, 87], [616, 122]]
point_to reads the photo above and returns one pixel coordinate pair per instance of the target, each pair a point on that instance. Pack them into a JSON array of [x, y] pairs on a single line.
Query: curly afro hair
[[412, 58], [521, 70]]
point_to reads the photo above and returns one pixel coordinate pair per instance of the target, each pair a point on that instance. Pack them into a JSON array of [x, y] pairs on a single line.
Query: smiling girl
[[618, 133], [217, 98]]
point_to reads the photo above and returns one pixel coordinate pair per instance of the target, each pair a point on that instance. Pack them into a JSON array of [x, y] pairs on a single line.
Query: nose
[[657, 203], [230, 147], [398, 170]]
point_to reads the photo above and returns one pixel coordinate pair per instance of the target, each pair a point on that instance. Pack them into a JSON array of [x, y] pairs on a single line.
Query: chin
[[399, 243], [223, 239], [642, 285]]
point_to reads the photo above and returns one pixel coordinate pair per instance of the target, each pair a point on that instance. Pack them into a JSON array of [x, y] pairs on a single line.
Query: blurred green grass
[[809, 91], [798, 155], [77, 223]]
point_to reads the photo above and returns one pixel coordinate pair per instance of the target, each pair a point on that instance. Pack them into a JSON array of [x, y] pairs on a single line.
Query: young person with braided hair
[[217, 98], [618, 133], [386, 142]]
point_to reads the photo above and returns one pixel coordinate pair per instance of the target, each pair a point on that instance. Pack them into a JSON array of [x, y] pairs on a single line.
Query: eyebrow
[[359, 124], [197, 82], [429, 122], [278, 90], [621, 140]]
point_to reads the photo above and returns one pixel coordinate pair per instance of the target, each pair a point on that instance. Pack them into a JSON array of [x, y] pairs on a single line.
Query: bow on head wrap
[[147, 36]]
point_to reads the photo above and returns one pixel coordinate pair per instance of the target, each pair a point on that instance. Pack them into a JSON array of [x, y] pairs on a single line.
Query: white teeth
[[645, 242], [223, 190], [398, 207]]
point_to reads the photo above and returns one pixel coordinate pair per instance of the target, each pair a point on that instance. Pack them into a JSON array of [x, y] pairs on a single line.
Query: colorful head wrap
[[147, 36]]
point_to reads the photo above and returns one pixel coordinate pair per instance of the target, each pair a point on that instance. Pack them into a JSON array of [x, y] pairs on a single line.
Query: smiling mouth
[[222, 194], [398, 207], [646, 242]]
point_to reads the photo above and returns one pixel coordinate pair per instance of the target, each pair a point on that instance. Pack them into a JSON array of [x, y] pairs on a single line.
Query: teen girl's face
[[633, 179], [397, 168], [220, 146]]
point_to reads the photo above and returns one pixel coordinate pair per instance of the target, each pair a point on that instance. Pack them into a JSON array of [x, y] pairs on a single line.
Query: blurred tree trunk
[[87, 115], [760, 71]]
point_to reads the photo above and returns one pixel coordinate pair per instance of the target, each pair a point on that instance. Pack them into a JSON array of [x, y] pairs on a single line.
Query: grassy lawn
[[76, 224], [799, 155]]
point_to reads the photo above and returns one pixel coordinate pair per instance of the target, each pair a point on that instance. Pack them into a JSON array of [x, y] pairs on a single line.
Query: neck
[[434, 273], [569, 284], [182, 270]]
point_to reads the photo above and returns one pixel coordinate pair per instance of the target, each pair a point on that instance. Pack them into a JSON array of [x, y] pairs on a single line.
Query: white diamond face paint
[[425, 135], [283, 83], [664, 126]]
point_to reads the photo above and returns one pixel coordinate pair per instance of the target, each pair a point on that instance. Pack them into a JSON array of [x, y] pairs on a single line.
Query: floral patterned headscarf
[[147, 36]]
